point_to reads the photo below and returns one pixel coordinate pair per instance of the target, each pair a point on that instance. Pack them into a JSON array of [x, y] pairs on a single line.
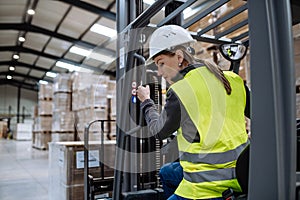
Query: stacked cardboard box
[[66, 171], [41, 133], [62, 120], [112, 106], [3, 129], [91, 97], [62, 126], [23, 131]]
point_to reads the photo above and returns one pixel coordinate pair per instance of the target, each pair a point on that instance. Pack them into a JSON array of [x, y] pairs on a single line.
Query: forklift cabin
[[268, 34]]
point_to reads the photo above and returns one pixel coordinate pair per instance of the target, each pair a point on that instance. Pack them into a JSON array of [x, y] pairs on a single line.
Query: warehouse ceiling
[[65, 33], [53, 35]]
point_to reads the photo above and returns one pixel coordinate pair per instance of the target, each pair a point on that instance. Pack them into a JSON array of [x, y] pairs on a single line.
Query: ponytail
[[212, 67], [216, 70]]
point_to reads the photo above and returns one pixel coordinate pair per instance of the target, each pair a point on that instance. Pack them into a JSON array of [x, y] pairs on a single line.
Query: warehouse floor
[[23, 171]]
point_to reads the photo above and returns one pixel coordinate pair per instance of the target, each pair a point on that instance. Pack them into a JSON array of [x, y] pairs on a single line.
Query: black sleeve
[[168, 121], [247, 108]]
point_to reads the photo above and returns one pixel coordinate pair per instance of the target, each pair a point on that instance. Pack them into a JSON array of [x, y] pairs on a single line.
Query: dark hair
[[190, 59]]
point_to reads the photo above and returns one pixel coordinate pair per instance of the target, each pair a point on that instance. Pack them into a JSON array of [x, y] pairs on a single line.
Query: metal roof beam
[[143, 19], [223, 19], [27, 50], [36, 29], [205, 13], [233, 28], [22, 75], [241, 36], [21, 64], [176, 12], [91, 8], [17, 83]]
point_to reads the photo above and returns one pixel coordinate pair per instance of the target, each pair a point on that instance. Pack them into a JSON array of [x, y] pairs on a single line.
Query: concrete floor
[[23, 171]]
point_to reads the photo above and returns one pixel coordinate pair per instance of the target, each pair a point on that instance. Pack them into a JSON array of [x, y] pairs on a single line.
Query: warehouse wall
[[9, 97]]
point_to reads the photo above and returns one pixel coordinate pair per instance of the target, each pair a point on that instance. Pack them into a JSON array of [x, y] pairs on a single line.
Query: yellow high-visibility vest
[[209, 165]]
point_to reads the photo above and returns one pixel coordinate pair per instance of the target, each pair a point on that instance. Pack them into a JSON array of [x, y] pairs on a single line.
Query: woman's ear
[[179, 54]]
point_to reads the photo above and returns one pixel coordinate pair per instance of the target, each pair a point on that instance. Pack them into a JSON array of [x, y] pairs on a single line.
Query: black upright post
[[23, 114], [273, 122], [18, 104]]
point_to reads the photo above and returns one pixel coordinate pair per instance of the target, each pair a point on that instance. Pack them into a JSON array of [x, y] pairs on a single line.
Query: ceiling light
[[12, 68], [16, 56], [103, 30], [67, 66], [22, 39], [80, 51], [9, 77], [101, 57], [30, 12], [51, 74], [86, 70], [149, 2], [43, 82]]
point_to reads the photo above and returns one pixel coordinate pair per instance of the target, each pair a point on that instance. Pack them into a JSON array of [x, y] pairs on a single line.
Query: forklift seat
[[242, 175], [242, 169]]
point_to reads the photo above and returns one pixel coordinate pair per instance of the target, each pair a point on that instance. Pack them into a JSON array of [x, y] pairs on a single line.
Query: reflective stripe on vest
[[212, 175], [213, 158], [219, 119]]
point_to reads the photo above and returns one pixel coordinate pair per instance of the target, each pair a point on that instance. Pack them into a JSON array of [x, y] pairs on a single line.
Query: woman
[[206, 108]]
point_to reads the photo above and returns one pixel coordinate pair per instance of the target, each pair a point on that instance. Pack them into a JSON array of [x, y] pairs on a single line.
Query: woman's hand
[[143, 93]]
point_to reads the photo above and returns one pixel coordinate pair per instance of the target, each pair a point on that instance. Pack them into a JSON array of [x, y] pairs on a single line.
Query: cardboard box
[[63, 121], [23, 131], [62, 101], [45, 91], [62, 83], [66, 160], [62, 136], [40, 140], [3, 129], [43, 124], [45, 107]]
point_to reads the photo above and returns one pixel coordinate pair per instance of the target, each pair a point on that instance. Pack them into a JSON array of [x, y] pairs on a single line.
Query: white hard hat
[[165, 38]]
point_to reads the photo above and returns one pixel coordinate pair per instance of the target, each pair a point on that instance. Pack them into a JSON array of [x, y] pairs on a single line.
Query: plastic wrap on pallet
[[93, 136], [45, 91], [43, 123], [82, 80], [41, 140], [95, 131], [35, 111], [62, 83], [62, 101], [81, 99], [111, 95], [92, 114], [80, 115], [75, 100], [62, 136], [113, 106], [63, 121], [23, 131], [66, 172], [45, 107], [96, 96]]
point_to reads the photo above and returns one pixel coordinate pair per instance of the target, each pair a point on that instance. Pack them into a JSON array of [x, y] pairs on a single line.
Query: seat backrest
[[242, 169]]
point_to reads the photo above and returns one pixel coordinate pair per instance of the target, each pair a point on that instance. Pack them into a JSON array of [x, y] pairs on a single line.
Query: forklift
[[272, 157]]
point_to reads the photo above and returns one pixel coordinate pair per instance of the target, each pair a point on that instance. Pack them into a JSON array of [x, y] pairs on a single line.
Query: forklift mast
[[272, 170]]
